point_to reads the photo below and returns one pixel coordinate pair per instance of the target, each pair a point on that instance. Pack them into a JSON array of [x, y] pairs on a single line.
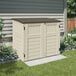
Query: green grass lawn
[[65, 67]]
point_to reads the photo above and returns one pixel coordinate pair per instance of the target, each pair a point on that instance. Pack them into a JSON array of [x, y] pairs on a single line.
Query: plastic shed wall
[[18, 39], [41, 40]]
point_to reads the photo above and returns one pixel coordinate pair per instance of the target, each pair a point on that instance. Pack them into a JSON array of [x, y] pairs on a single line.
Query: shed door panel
[[52, 39], [34, 41], [42, 40]]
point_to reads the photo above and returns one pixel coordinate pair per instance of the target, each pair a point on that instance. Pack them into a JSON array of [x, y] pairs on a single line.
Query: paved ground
[[44, 60]]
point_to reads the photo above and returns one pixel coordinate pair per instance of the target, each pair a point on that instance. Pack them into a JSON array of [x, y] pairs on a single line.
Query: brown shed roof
[[36, 20]]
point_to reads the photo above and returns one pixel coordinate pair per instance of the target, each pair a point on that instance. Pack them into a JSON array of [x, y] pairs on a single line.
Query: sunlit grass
[[64, 67]]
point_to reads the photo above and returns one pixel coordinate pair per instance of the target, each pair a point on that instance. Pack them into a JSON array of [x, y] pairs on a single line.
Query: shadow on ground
[[10, 68]]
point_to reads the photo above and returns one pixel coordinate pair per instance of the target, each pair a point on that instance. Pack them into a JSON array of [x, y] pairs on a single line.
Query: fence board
[[71, 23]]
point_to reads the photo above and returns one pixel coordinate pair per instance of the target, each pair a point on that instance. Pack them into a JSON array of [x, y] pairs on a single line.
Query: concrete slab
[[44, 60]]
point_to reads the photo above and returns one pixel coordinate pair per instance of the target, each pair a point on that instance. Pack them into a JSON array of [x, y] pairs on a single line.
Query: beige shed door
[[33, 41], [42, 39], [52, 39]]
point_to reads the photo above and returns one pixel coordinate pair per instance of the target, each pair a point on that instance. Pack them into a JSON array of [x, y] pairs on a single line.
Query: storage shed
[[34, 26], [35, 38]]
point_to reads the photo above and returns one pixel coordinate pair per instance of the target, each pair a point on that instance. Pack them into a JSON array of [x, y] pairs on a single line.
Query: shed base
[[44, 60]]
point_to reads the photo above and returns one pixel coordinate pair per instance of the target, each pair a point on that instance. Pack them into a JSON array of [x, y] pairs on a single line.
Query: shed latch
[[59, 26], [24, 28], [24, 55]]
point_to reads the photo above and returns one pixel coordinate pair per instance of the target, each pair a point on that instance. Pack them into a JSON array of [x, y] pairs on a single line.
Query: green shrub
[[74, 38], [62, 46], [7, 53], [68, 43]]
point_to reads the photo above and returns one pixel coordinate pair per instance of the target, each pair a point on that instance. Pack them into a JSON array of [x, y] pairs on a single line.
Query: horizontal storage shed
[[35, 38]]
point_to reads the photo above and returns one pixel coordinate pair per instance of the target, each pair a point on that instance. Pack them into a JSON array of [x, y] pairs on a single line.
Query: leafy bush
[[62, 45], [74, 38], [7, 53], [71, 11], [68, 43]]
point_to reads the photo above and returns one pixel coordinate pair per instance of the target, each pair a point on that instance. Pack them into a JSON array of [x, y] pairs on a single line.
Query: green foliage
[[62, 46], [1, 28], [74, 38], [71, 8], [7, 53], [68, 43]]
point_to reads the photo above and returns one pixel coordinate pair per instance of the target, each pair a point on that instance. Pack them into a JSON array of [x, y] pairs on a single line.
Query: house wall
[[7, 30], [7, 27], [65, 18], [31, 6]]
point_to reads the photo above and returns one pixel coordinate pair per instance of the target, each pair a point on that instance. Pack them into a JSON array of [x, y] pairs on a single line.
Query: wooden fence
[[71, 23]]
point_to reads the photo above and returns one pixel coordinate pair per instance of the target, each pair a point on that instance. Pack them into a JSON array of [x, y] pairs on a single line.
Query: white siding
[[7, 30]]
